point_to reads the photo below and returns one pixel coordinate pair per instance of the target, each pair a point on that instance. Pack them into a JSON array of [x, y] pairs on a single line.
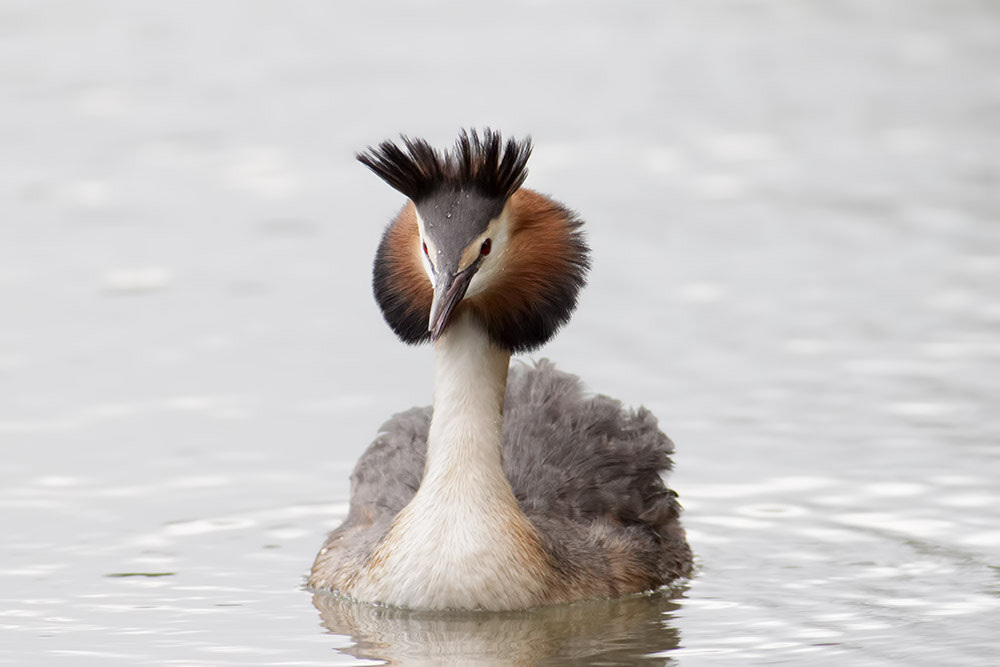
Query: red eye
[[425, 249], [486, 247]]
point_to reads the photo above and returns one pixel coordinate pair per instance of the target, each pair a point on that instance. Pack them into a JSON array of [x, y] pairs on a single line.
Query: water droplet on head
[[447, 215]]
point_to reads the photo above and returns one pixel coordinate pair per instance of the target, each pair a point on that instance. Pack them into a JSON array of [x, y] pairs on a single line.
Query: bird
[[517, 488]]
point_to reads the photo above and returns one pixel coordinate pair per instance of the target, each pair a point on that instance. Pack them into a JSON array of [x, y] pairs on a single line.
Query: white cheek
[[493, 263], [427, 267], [488, 271], [478, 283]]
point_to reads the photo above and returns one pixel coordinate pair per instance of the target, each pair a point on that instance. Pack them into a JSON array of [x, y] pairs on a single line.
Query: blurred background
[[793, 209]]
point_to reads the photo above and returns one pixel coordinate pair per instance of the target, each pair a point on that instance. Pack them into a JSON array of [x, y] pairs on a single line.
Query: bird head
[[471, 238]]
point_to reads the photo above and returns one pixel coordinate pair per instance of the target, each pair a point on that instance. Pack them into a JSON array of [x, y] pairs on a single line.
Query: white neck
[[462, 542], [465, 443]]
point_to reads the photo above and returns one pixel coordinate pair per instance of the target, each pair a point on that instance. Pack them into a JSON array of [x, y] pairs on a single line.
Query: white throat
[[465, 443], [462, 542]]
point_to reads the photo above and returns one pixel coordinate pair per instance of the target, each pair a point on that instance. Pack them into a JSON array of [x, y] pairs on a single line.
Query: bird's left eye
[[486, 247]]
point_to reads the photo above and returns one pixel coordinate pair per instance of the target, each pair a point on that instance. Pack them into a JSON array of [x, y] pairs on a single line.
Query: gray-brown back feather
[[585, 470]]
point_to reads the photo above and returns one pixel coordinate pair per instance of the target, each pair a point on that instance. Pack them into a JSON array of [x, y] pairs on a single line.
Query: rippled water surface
[[794, 213]]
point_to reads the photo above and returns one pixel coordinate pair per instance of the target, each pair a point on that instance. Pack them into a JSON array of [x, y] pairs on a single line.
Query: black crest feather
[[485, 163]]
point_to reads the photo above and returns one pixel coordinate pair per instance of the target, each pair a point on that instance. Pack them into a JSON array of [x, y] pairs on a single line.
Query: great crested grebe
[[510, 492]]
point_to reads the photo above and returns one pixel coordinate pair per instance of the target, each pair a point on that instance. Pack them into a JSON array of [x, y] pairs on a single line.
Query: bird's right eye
[[425, 249]]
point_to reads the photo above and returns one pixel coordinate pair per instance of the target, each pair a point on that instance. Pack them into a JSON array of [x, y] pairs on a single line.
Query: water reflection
[[618, 631]]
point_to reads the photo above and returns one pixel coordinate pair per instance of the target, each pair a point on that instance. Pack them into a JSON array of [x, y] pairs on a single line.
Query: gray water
[[794, 214]]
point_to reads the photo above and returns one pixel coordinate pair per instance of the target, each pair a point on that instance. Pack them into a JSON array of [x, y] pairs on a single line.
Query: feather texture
[[546, 267], [587, 472], [484, 163]]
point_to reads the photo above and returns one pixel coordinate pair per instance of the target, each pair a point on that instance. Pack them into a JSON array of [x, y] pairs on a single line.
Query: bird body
[[504, 495]]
